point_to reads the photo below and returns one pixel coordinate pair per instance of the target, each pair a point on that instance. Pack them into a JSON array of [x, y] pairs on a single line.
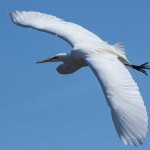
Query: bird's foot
[[142, 68]]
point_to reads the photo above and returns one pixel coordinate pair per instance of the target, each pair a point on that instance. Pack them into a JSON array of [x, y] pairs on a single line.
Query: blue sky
[[41, 109]]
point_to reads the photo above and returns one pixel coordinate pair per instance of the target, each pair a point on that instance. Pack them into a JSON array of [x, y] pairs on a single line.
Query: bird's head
[[59, 57]]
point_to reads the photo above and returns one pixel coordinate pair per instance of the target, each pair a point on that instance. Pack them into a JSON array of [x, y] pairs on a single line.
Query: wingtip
[[16, 18], [133, 142], [12, 16], [123, 140]]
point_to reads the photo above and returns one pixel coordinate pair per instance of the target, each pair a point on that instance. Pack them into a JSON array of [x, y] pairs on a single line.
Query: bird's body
[[108, 64]]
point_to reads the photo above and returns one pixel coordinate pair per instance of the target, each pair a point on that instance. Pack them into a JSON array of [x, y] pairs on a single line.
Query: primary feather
[[123, 97], [72, 33]]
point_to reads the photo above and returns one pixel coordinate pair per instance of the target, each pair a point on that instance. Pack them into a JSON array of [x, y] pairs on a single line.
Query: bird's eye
[[55, 57]]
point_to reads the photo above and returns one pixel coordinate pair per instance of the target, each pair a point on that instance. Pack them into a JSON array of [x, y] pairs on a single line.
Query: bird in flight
[[107, 63]]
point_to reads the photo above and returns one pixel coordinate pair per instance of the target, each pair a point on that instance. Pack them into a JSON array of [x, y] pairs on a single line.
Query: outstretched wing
[[123, 97], [70, 32]]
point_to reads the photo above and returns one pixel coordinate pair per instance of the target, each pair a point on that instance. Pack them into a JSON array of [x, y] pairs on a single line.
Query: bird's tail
[[142, 68]]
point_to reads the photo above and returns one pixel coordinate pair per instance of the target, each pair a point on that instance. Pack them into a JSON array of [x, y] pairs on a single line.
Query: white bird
[[107, 63]]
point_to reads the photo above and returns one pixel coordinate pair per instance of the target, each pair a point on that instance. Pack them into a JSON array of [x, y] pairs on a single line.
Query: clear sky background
[[43, 110]]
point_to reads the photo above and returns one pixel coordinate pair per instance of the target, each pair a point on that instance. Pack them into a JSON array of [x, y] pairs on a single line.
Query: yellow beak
[[45, 60]]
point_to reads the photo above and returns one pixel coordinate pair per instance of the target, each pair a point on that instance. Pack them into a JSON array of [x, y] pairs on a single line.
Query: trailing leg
[[142, 68]]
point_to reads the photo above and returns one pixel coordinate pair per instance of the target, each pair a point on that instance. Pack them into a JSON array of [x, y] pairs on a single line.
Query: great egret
[[108, 64]]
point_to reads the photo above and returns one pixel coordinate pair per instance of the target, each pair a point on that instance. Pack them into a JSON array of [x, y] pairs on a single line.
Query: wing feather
[[123, 97], [70, 32]]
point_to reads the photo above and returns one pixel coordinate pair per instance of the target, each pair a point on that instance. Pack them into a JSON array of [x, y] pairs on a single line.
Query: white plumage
[[106, 61]]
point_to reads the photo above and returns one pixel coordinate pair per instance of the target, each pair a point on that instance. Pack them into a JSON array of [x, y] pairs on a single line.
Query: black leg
[[142, 68]]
